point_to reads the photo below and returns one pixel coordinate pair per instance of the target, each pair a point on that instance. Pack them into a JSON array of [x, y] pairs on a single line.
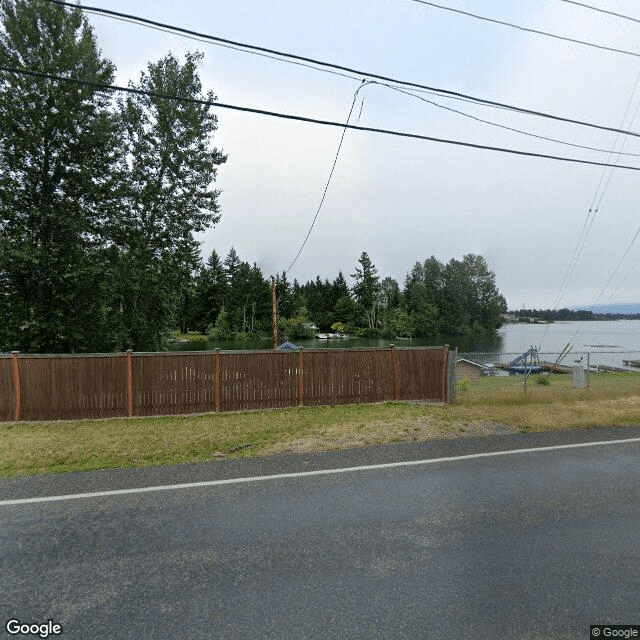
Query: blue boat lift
[[525, 364]]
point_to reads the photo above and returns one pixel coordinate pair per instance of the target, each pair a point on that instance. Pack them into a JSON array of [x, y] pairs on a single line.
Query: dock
[[603, 367], [558, 368], [545, 366]]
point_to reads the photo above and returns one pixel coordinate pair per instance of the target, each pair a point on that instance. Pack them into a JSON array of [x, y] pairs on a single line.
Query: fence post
[[445, 375], [16, 384], [453, 382], [218, 382], [129, 384], [394, 361], [301, 377]]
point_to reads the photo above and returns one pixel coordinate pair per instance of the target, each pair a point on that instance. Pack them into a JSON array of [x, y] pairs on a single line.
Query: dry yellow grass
[[493, 405]]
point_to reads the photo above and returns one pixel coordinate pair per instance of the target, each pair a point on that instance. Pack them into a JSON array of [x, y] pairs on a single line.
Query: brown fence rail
[[65, 387]]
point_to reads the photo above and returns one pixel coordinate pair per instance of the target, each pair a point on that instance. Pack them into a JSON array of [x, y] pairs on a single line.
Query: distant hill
[[626, 308], [600, 312]]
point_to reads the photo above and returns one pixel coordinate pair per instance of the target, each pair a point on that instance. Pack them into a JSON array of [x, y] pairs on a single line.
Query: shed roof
[[288, 346], [473, 364]]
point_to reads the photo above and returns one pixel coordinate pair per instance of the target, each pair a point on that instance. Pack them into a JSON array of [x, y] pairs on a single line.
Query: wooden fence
[[66, 387]]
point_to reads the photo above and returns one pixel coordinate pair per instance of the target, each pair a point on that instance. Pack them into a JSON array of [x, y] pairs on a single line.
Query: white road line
[[303, 474]]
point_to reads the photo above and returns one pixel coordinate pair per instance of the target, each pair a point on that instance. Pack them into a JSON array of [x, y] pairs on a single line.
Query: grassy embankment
[[190, 336], [492, 405]]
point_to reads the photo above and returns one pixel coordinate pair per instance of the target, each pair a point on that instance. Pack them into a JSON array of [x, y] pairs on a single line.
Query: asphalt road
[[529, 545]]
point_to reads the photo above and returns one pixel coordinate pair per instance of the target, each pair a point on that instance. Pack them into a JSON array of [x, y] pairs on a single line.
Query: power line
[[326, 187], [629, 246], [633, 268], [529, 30], [355, 73], [355, 95], [599, 10], [185, 33], [595, 207], [591, 216], [330, 123], [502, 126]]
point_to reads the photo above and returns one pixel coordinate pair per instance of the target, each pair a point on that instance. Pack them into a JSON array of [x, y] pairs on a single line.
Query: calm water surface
[[607, 342]]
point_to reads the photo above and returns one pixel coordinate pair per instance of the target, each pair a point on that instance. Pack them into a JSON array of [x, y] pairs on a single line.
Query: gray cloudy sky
[[404, 200]]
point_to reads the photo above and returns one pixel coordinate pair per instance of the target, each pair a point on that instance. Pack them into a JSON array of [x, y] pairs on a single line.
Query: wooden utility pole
[[274, 313]]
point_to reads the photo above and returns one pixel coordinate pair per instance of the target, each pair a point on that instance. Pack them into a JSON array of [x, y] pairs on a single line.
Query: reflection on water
[[464, 343], [598, 338]]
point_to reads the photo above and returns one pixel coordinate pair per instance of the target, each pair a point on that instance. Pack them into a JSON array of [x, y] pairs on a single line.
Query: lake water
[[607, 342]]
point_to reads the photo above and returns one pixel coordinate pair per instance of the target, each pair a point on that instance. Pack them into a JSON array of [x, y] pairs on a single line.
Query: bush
[[365, 332], [222, 329], [296, 328], [542, 380]]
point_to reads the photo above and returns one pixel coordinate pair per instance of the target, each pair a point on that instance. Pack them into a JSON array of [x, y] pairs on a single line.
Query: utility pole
[[274, 313]]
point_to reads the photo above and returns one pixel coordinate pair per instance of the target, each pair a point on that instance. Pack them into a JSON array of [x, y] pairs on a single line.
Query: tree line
[[582, 315], [101, 197], [232, 299]]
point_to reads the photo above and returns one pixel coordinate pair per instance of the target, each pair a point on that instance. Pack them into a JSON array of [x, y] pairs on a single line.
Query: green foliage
[[58, 169], [209, 294], [345, 310], [294, 328], [168, 197], [398, 324], [366, 332], [542, 380], [367, 289], [99, 203], [222, 330], [338, 327], [459, 298]]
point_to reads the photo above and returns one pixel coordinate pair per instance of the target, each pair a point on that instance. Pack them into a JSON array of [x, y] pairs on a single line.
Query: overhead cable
[[596, 201], [324, 66], [502, 126], [286, 116], [599, 10], [622, 259], [591, 216], [326, 187], [547, 34]]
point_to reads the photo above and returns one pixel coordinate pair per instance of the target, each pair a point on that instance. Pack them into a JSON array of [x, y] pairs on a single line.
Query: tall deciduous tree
[[169, 196], [58, 156], [98, 205]]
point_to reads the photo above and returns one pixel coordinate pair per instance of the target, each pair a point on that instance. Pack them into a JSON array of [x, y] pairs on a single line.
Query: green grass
[[487, 406], [190, 335]]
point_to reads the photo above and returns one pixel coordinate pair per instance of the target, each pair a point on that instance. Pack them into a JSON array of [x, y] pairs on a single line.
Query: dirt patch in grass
[[491, 406], [417, 430]]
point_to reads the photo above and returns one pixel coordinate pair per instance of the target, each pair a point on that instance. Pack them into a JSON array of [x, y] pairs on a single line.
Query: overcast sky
[[404, 200]]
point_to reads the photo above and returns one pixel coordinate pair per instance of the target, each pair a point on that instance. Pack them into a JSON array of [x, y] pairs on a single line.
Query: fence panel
[[69, 387], [423, 374], [62, 387], [258, 380], [7, 389], [173, 383], [348, 376]]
